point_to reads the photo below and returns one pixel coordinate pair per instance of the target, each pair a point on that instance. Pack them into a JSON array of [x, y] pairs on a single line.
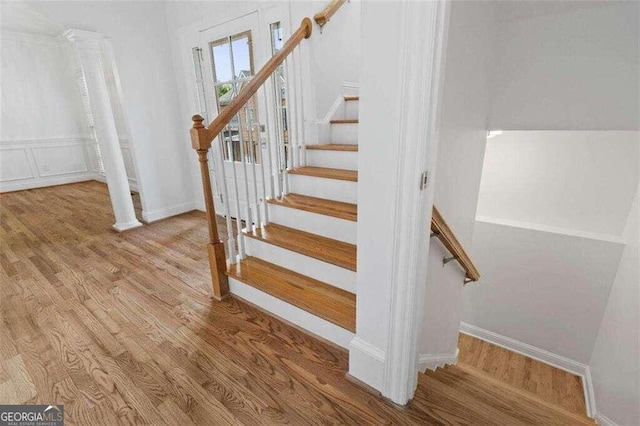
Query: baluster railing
[[284, 153], [201, 140]]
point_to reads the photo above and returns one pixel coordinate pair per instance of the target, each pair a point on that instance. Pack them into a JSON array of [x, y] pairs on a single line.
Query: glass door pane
[[232, 59]]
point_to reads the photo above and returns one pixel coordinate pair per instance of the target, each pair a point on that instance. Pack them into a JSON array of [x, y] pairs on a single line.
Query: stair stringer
[[433, 361]]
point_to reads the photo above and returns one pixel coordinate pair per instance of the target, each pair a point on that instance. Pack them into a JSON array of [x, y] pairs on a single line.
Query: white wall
[[459, 166], [582, 180], [551, 212], [567, 66], [615, 365], [543, 288], [142, 52], [44, 135]]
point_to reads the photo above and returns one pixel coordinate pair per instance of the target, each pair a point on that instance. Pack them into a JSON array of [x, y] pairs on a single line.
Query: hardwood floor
[[121, 329], [523, 373]]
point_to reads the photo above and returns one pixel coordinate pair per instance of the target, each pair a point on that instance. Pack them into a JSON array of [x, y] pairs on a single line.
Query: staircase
[[488, 400], [306, 255]]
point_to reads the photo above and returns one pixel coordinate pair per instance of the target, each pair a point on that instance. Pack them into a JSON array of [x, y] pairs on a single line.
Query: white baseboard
[[366, 363], [292, 314], [133, 183], [431, 361], [555, 360], [158, 214], [44, 182], [603, 420]]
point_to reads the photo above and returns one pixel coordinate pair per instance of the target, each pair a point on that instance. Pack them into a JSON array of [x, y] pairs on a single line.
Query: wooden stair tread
[[322, 248], [334, 147], [485, 389], [323, 300], [323, 206], [345, 121], [351, 98], [323, 172]]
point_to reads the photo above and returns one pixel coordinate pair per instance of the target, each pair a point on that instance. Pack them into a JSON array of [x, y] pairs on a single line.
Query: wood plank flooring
[[121, 329], [550, 384]]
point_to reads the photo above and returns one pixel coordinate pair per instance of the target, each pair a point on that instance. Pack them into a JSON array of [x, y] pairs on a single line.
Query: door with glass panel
[[228, 56]]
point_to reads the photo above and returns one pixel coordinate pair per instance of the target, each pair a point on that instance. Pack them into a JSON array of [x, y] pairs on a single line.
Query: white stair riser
[[347, 160], [317, 269], [315, 223], [330, 189], [351, 109], [293, 314], [346, 133]]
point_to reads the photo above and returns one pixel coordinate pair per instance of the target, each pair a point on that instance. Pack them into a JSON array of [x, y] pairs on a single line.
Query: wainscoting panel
[[56, 160], [14, 164], [33, 163]]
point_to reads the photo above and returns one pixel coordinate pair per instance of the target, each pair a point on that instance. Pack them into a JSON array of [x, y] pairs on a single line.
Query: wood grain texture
[[334, 147], [521, 373], [332, 208], [122, 329], [345, 121], [322, 248], [324, 172], [323, 300], [492, 401], [449, 240], [325, 14]]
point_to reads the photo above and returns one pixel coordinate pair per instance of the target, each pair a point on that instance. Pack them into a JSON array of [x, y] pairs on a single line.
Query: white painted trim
[[292, 314], [555, 360], [163, 213], [333, 110], [121, 227], [603, 420], [41, 183], [55, 140], [30, 38], [617, 239], [431, 362], [350, 88], [424, 27], [366, 362]]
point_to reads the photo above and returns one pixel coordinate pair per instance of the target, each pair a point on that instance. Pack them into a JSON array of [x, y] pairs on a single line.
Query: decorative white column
[[88, 46]]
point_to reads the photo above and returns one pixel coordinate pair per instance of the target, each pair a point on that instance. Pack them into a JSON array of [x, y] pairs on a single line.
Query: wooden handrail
[[250, 89], [323, 17], [440, 229]]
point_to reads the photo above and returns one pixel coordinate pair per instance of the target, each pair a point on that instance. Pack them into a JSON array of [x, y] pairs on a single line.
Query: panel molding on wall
[[33, 163]]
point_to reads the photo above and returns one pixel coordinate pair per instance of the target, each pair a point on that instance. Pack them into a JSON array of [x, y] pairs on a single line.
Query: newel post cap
[[199, 137]]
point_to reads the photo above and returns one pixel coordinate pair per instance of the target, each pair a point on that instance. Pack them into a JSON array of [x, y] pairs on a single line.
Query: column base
[[121, 227]]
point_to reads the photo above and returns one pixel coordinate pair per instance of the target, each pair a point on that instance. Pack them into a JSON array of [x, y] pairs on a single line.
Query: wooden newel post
[[201, 142]]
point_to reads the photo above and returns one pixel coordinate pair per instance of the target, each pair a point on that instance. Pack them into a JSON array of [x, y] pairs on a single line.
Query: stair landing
[[475, 398]]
